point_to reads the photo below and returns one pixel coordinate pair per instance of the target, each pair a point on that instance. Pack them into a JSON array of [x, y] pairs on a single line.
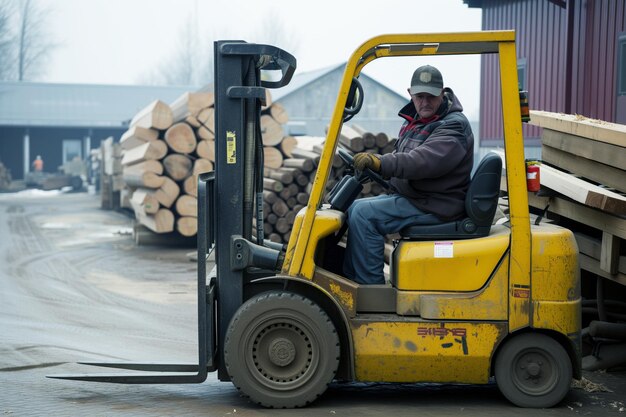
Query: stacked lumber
[[111, 182], [583, 181], [584, 163]]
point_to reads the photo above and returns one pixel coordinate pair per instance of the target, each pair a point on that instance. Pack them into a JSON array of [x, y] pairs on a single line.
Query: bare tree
[[186, 63], [192, 63], [6, 40], [274, 31], [33, 43]]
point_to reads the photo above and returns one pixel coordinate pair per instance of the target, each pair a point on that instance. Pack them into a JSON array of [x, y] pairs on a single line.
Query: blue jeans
[[369, 220]]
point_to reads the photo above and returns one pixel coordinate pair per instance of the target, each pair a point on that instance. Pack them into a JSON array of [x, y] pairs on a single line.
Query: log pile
[[111, 182], [164, 149], [167, 146], [287, 188]]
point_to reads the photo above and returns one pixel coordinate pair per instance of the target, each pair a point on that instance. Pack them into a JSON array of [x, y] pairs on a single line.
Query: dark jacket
[[432, 162]]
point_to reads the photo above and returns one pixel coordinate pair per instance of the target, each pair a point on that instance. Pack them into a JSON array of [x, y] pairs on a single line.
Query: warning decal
[[231, 147], [444, 250]]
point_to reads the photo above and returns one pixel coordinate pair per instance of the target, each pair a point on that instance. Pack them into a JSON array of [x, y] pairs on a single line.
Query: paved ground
[[74, 287]]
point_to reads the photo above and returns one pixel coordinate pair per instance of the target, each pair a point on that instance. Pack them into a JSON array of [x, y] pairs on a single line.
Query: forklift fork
[[168, 373]]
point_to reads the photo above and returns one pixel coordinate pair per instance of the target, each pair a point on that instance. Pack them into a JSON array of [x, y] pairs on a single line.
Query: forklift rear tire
[[533, 370], [281, 350]]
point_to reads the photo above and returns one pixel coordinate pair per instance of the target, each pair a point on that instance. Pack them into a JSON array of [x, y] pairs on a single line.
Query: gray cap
[[426, 79]]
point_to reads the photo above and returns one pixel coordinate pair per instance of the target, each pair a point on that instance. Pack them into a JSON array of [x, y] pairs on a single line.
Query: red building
[[571, 59]]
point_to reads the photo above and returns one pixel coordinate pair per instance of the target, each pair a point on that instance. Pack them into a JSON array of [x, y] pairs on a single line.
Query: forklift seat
[[481, 202]]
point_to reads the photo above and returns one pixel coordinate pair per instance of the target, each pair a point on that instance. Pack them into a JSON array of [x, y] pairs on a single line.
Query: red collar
[[429, 120]]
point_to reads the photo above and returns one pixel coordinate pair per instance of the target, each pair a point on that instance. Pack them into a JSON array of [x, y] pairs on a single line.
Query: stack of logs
[[287, 189], [164, 150], [167, 146]]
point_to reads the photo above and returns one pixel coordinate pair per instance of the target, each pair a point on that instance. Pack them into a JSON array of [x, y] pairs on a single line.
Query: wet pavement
[[75, 287]]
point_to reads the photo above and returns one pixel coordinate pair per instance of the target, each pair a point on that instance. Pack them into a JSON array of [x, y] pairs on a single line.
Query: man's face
[[426, 104]]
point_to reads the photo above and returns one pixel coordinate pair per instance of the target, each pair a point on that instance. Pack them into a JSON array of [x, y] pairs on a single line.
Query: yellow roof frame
[[461, 43]]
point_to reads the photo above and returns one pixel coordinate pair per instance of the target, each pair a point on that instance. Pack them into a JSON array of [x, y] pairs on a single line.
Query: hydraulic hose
[[249, 154]]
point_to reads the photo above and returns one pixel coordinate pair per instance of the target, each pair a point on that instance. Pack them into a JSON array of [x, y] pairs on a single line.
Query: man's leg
[[369, 220]]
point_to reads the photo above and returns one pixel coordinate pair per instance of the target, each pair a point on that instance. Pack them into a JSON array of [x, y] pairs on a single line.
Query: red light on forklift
[[523, 104], [533, 176]]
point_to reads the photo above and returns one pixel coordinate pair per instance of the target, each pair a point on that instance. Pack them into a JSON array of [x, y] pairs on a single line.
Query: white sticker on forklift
[[231, 147], [444, 249]]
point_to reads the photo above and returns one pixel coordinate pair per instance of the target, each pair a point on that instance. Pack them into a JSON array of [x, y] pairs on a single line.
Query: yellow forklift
[[467, 301]]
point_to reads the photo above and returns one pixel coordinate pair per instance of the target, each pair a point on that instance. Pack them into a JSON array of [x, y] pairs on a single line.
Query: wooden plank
[[592, 247], [582, 191], [588, 245], [598, 130], [602, 174], [593, 265], [581, 213], [579, 190], [604, 153], [609, 256]]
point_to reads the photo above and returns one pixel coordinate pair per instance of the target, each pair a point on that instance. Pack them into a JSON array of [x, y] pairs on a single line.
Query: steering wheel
[[368, 173]]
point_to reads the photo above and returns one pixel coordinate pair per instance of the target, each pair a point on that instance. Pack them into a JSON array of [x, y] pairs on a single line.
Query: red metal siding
[[601, 22], [541, 28]]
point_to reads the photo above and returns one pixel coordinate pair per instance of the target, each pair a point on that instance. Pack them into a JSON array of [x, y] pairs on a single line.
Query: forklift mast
[[239, 94]]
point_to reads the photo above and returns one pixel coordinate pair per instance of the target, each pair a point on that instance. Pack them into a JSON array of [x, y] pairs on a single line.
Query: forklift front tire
[[533, 370], [281, 350]]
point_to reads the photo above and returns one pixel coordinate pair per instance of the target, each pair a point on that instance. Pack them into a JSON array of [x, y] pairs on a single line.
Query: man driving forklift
[[467, 300], [429, 169]]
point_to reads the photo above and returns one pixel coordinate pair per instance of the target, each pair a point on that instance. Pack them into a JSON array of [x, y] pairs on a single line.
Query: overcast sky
[[120, 41]]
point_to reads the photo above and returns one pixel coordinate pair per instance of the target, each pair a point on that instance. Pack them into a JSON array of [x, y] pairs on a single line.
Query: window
[[72, 148]]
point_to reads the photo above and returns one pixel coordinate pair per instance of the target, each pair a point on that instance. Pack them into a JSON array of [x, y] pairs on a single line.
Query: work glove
[[363, 160]]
